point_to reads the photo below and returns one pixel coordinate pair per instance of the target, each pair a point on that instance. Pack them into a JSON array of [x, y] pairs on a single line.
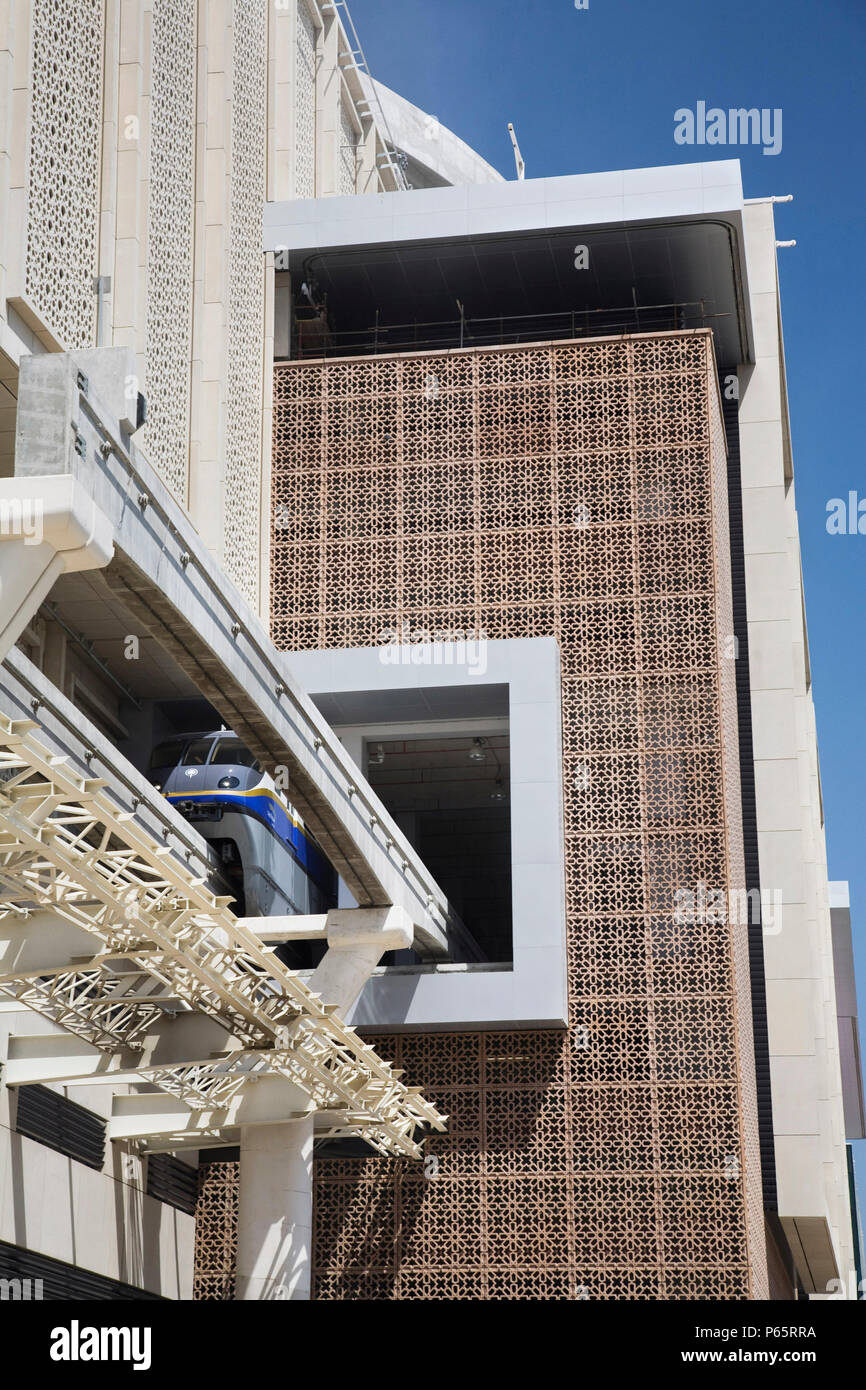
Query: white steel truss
[[163, 944]]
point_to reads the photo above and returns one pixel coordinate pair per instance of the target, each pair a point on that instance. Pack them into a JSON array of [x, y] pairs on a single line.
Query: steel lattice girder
[[64, 847]]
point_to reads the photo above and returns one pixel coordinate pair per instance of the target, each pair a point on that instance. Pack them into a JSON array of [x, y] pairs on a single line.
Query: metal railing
[[502, 329], [355, 53]]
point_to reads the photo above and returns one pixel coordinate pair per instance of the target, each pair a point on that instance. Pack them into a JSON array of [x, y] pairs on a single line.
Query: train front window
[[231, 750], [166, 754], [196, 752]]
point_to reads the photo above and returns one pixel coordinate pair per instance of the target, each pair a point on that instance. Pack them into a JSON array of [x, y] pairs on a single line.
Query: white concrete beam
[[330, 1124], [300, 928], [187, 1041], [268, 1101], [357, 940], [48, 526], [36, 1059], [42, 939]]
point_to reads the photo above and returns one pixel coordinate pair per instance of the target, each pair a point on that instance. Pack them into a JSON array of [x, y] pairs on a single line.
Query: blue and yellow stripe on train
[[271, 859]]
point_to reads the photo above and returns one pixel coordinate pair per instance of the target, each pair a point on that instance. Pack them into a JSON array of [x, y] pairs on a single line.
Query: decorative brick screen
[[216, 1224], [578, 490]]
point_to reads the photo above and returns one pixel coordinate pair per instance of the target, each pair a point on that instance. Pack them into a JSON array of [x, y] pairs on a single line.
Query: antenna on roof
[[518, 157]]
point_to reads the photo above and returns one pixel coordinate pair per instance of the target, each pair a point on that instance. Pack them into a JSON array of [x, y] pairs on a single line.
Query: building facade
[[196, 115], [484, 490], [578, 492]]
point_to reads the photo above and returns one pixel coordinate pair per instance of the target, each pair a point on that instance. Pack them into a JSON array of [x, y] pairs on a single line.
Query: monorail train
[[269, 859]]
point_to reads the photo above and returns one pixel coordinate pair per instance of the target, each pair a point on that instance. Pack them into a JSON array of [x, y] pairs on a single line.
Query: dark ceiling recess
[[524, 287]]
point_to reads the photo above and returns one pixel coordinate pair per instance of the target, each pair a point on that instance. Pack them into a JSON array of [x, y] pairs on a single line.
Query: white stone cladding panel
[[95, 1219], [305, 104], [803, 1038], [246, 306], [170, 241]]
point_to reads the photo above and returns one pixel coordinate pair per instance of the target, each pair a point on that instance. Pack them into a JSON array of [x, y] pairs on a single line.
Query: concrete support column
[[357, 939], [275, 1215]]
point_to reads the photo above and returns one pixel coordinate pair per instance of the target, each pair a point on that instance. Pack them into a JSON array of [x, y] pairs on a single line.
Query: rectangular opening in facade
[[450, 795]]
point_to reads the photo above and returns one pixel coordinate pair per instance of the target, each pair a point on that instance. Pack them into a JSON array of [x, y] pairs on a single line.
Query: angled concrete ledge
[[49, 525]]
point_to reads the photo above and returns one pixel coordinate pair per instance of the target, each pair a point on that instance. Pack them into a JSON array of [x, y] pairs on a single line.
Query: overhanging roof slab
[[703, 197]]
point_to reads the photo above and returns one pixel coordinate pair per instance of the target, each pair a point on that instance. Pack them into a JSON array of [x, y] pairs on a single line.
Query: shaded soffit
[[514, 253]]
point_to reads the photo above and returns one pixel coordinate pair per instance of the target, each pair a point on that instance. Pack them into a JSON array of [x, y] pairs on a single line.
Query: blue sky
[[597, 89]]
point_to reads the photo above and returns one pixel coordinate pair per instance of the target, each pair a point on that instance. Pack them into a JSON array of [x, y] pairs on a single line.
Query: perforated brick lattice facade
[[216, 1231], [63, 188], [576, 490]]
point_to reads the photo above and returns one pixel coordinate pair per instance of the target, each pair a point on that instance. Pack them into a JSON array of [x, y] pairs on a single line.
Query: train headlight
[[228, 782]]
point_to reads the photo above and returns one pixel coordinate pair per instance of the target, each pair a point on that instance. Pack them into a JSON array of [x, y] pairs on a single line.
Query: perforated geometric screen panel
[[171, 208], [246, 307], [305, 103], [63, 168], [575, 490], [216, 1225]]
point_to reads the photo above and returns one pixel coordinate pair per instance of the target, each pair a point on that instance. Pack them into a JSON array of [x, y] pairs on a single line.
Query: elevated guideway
[[109, 923], [112, 926], [72, 423], [147, 941]]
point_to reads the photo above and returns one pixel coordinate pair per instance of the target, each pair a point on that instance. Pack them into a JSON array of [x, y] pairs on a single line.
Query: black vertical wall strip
[[750, 816]]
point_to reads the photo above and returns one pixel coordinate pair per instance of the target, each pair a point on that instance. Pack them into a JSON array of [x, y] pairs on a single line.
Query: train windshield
[[167, 754], [196, 752], [231, 750]]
